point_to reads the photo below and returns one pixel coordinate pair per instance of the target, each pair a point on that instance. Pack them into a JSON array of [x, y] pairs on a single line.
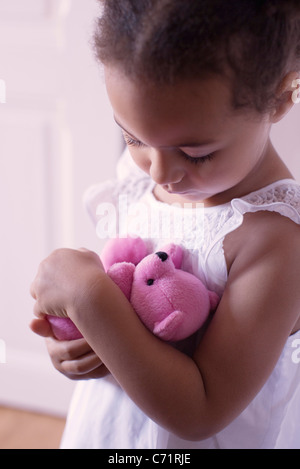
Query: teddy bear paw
[[169, 328]]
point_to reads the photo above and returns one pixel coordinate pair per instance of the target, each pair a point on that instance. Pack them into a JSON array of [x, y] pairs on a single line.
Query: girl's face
[[189, 140]]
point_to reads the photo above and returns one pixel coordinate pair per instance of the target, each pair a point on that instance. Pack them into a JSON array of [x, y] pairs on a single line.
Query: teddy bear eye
[[150, 281]]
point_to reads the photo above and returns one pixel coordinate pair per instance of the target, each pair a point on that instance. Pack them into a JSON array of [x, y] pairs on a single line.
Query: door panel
[[57, 137]]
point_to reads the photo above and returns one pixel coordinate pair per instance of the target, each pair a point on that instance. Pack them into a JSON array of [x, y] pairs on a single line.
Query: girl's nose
[[165, 168]]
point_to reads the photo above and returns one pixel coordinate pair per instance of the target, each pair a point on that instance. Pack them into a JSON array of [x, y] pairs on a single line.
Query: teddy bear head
[[172, 303]]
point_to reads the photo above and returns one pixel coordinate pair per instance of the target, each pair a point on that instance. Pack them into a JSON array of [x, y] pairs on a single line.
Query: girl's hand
[[74, 359], [64, 280]]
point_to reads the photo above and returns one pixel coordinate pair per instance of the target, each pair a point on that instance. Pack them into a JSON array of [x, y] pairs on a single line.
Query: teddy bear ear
[[175, 252], [123, 250], [122, 274]]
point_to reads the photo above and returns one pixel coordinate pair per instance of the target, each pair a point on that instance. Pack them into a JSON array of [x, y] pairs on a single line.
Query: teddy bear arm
[[213, 299], [63, 328], [169, 328]]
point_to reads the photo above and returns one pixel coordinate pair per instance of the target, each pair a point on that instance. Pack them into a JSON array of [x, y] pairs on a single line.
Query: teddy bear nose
[[162, 255]]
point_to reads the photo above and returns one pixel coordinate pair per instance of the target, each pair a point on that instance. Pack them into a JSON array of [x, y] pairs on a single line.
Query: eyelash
[[131, 142], [194, 160], [197, 160]]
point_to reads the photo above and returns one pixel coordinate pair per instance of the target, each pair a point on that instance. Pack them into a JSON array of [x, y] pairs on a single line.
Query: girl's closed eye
[[130, 141], [198, 159]]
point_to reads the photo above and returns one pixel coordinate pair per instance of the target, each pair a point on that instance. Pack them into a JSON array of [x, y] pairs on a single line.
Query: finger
[[37, 310], [83, 365], [99, 372], [93, 254], [41, 327], [67, 350], [87, 365], [84, 250]]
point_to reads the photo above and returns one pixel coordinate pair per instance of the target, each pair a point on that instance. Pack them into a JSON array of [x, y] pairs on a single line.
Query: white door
[[57, 137]]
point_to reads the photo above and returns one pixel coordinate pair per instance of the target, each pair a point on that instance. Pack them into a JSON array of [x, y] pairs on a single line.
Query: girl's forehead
[[143, 108], [213, 92]]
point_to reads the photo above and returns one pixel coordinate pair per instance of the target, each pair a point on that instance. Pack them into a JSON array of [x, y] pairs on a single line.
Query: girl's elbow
[[198, 433], [198, 429]]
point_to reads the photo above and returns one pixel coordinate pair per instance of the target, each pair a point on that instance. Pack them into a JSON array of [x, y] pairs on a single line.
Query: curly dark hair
[[253, 44]]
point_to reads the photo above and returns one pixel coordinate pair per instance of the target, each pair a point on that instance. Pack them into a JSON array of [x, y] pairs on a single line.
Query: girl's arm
[[192, 397]]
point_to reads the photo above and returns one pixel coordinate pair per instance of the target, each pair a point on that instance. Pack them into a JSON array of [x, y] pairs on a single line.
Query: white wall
[[57, 138], [286, 139]]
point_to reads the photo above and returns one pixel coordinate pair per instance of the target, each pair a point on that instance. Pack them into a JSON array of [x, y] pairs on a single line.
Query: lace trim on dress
[[282, 197]]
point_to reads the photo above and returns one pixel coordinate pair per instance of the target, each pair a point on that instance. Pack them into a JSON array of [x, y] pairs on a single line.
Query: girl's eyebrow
[[179, 145]]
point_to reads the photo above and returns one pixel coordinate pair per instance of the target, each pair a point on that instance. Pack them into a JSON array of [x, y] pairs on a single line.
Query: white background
[[57, 137]]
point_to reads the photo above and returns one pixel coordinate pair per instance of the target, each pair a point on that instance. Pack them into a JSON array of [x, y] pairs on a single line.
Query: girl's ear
[[288, 95]]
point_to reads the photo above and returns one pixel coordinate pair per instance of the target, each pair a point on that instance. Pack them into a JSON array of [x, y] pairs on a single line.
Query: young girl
[[195, 88]]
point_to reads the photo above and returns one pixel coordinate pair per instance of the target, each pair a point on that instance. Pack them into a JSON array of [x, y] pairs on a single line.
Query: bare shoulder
[[262, 232], [272, 241]]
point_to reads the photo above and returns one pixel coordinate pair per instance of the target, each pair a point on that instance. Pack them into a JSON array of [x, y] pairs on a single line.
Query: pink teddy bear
[[172, 303]]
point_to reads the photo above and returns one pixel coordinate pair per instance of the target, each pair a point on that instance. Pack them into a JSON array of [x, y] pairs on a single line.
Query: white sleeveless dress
[[101, 416]]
